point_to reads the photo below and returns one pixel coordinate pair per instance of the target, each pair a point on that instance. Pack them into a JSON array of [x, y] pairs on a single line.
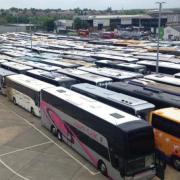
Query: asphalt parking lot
[[30, 152]]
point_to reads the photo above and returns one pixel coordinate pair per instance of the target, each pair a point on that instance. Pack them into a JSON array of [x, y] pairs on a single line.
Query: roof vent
[[116, 115]]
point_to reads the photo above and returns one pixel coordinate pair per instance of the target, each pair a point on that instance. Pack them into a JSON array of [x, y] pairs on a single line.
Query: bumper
[[143, 176]]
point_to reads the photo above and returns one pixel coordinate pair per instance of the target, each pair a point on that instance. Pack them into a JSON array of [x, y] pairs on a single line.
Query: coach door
[[1, 82], [160, 166], [68, 138]]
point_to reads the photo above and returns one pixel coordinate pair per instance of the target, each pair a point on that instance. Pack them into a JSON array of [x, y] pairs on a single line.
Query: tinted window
[[97, 147], [35, 95], [140, 142], [114, 135], [166, 125]]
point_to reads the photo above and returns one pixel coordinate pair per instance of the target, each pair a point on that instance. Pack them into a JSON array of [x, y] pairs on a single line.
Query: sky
[[92, 4]]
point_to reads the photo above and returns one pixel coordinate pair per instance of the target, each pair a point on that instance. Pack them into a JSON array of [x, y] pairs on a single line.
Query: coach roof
[[103, 111], [29, 82]]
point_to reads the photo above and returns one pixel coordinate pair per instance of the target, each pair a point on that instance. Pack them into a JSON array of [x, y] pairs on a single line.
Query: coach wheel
[[53, 130], [102, 168], [32, 111], [176, 163], [59, 136], [14, 101]]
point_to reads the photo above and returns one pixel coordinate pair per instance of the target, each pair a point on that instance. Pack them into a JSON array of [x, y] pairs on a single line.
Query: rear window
[[141, 142], [168, 126]]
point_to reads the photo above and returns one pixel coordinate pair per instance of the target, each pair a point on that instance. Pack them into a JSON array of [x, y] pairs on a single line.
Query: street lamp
[[159, 26]]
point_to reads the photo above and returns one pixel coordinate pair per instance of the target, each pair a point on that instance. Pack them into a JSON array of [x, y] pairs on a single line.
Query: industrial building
[[172, 33], [122, 21], [63, 24], [173, 18], [16, 28]]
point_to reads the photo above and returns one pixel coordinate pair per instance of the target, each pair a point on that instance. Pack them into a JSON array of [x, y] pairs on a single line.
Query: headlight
[[149, 160]]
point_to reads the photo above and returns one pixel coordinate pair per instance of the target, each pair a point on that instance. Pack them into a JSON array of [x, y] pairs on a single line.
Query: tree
[[80, 24], [33, 11], [77, 11], [77, 23], [113, 26], [14, 9], [109, 10], [84, 25], [2, 20], [49, 24]]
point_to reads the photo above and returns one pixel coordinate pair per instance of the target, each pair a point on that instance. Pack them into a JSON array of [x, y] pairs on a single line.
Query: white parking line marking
[[50, 140], [61, 148], [26, 148], [14, 172]]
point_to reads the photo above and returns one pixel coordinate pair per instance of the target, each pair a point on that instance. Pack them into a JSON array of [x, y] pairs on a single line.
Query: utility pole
[[159, 26], [139, 29], [17, 21], [31, 32], [31, 37]]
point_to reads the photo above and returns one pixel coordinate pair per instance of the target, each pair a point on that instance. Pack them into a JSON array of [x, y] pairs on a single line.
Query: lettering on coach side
[[91, 133]]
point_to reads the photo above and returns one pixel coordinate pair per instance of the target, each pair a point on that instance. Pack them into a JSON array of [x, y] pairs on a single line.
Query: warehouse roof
[[177, 28], [115, 16]]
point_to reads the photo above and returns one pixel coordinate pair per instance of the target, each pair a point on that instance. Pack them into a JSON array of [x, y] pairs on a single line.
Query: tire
[[14, 101], [53, 130], [102, 168], [59, 136], [176, 163], [32, 111]]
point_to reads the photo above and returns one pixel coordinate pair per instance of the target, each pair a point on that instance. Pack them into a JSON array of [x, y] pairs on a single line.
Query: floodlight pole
[[139, 29], [31, 38], [17, 21], [31, 32], [158, 40]]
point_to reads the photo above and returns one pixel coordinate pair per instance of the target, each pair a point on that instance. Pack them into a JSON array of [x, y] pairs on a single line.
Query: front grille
[[135, 166]]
